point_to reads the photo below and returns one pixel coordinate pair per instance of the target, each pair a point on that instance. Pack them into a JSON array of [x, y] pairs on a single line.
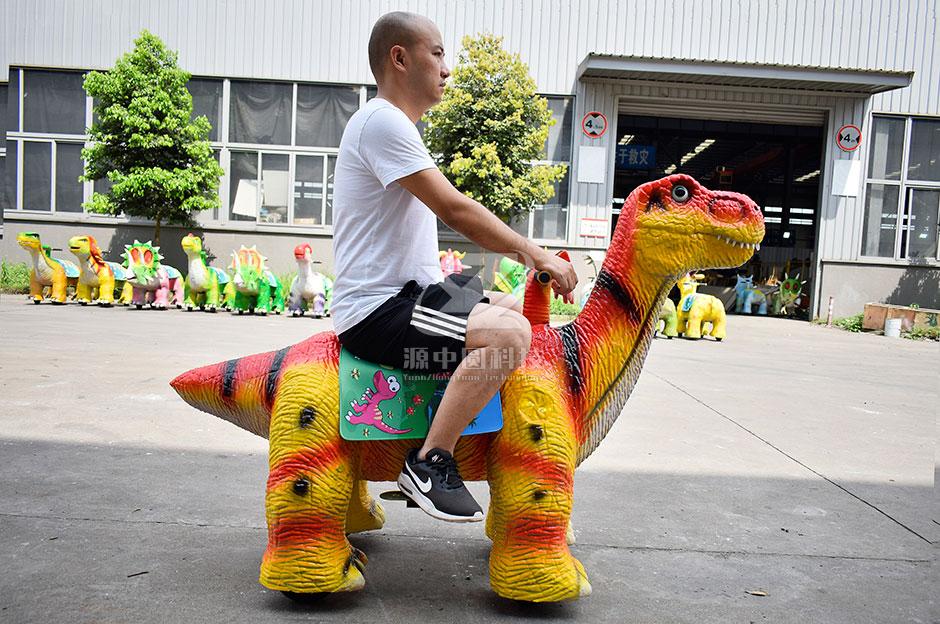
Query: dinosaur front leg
[[35, 288], [309, 490], [530, 469]]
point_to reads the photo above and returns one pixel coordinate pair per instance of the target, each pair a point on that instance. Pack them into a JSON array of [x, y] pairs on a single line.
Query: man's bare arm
[[481, 226]]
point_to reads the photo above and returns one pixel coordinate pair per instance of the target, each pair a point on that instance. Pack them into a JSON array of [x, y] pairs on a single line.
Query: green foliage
[[851, 323], [488, 128], [923, 333], [14, 277], [159, 161], [560, 308]]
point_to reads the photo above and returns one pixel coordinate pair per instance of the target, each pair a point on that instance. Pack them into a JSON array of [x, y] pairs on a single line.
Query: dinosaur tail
[[243, 391]]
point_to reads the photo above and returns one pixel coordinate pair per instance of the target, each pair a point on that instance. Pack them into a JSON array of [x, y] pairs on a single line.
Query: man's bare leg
[[499, 337]]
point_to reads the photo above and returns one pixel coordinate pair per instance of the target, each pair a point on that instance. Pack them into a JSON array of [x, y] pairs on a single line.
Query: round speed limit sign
[[594, 124]]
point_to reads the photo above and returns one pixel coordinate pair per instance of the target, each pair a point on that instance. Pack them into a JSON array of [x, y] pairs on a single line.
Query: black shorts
[[421, 329]]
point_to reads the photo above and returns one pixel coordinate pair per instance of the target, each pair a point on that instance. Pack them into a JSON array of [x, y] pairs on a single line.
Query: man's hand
[[564, 277]]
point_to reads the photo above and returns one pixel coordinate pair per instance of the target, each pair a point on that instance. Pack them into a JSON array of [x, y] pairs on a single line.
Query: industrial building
[[826, 113]]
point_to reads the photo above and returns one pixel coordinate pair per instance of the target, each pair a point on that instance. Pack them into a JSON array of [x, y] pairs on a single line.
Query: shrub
[[851, 323], [14, 277]]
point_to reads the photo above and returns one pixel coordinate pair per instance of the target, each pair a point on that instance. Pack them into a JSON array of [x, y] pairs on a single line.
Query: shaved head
[[392, 29]]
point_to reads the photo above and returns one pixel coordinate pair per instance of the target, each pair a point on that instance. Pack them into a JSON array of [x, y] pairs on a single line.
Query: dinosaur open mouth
[[734, 243]]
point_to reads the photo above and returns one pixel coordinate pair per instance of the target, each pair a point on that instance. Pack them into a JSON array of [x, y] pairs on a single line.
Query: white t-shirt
[[383, 236]]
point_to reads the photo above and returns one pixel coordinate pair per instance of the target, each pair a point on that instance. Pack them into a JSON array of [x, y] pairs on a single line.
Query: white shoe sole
[[407, 488]]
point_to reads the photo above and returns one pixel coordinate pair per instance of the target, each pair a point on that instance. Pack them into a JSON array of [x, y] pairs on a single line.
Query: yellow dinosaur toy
[[695, 309], [98, 276], [47, 272], [557, 408]]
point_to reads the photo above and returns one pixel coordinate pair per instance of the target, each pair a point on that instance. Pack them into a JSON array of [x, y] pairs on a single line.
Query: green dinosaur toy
[[256, 288], [206, 287], [509, 277], [784, 298]]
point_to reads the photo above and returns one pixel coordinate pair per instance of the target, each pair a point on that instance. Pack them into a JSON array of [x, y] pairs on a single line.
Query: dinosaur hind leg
[[364, 513]]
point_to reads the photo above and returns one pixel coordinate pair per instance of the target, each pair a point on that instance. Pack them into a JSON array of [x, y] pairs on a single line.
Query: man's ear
[[397, 55]]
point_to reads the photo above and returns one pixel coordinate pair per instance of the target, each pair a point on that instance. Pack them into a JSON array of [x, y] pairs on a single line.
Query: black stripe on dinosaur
[[609, 284], [228, 378], [274, 373], [571, 351]]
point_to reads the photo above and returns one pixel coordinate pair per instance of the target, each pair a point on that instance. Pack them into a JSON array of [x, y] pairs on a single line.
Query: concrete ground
[[785, 474]]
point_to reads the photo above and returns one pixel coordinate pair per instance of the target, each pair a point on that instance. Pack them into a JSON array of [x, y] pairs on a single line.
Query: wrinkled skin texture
[[695, 309], [557, 408], [153, 282], [98, 277], [205, 287], [46, 272], [257, 290]]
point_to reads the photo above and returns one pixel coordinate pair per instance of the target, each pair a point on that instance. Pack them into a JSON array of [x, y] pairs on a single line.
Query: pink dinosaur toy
[[450, 262], [370, 413]]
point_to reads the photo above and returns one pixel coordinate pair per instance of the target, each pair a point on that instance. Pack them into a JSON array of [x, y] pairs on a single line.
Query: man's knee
[[504, 329]]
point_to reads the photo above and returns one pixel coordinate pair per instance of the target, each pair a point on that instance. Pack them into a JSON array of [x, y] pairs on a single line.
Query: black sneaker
[[434, 484]]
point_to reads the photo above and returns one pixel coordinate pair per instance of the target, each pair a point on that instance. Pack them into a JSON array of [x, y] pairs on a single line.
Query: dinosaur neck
[[40, 267], [611, 337]]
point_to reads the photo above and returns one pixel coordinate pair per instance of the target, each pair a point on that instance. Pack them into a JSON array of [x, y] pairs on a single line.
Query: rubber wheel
[[305, 598]]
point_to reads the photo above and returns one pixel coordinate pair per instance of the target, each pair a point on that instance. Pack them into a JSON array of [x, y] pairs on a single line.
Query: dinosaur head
[[790, 289], [86, 247], [743, 283], [143, 260], [248, 266], [678, 226], [689, 283], [303, 253], [192, 245], [29, 241]]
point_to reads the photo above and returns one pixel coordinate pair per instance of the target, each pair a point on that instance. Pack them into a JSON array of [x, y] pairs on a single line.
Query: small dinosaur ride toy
[[695, 309], [98, 276], [451, 262], [257, 290], [154, 283], [206, 287], [557, 407], [310, 290], [784, 298], [510, 277], [748, 296], [47, 272]]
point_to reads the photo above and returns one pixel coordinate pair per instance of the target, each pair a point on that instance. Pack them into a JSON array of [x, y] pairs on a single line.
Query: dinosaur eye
[[680, 193], [393, 384]]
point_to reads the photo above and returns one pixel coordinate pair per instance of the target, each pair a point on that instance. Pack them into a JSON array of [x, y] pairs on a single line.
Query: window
[[549, 221], [260, 112], [53, 102], [322, 113], [902, 199], [207, 101]]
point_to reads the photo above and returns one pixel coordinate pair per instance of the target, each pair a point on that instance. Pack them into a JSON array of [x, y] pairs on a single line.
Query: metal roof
[[834, 80]]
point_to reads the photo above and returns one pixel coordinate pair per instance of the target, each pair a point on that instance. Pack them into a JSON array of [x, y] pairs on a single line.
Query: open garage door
[[777, 164]]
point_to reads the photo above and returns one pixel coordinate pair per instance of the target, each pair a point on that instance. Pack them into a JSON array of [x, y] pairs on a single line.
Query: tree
[[158, 160], [489, 127]]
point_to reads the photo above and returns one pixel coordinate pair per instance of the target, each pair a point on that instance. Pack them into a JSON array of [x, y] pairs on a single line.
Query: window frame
[[904, 186]]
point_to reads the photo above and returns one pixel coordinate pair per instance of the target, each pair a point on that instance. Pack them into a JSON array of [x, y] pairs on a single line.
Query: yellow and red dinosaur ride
[[557, 408]]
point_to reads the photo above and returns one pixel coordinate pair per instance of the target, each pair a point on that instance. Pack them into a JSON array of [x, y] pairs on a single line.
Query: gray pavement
[[790, 460]]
